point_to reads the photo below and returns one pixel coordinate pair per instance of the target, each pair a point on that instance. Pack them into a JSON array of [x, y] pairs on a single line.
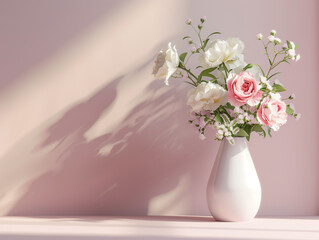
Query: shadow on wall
[[117, 173]]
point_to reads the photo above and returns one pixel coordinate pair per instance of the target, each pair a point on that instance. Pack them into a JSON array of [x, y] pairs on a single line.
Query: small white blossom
[[259, 36], [263, 79], [220, 132], [298, 116], [297, 58], [293, 96], [188, 21], [241, 117], [216, 124], [277, 40], [291, 53], [227, 134], [202, 137], [293, 46], [203, 18], [238, 110], [222, 127], [271, 38], [219, 137], [269, 86], [273, 32], [230, 140], [249, 118]]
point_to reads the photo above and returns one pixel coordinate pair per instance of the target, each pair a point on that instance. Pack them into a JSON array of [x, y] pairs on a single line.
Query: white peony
[[207, 96], [254, 70], [230, 52], [166, 64]]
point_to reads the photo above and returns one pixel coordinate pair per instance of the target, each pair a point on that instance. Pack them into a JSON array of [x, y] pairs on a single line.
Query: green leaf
[[278, 88], [208, 70], [273, 75], [257, 128], [241, 133], [198, 67], [186, 37], [247, 129], [261, 69], [190, 83], [182, 56], [289, 44], [209, 75], [205, 43], [296, 46], [229, 106], [289, 110], [218, 118], [206, 73], [213, 81], [247, 67], [213, 34], [269, 132]]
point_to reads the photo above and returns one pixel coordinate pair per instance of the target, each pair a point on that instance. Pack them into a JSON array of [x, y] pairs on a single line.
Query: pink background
[[85, 130]]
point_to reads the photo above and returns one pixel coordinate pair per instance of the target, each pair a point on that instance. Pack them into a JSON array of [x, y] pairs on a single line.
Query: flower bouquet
[[234, 97], [237, 98]]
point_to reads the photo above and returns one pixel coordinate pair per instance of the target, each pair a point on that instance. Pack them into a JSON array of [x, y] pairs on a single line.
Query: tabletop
[[157, 227]]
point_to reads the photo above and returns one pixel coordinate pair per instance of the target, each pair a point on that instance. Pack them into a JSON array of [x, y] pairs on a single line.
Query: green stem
[[190, 74], [198, 34], [226, 73]]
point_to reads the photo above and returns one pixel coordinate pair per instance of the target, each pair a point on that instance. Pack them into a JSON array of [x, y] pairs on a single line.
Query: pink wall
[[86, 130]]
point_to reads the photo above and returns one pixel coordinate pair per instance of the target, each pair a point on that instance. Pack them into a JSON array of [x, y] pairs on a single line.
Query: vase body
[[233, 189]]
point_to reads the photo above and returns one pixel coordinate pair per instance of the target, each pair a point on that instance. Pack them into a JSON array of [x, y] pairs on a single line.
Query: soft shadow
[[119, 172]]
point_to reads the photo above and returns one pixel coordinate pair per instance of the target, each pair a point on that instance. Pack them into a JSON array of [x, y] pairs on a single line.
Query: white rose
[[166, 64], [207, 96], [230, 52]]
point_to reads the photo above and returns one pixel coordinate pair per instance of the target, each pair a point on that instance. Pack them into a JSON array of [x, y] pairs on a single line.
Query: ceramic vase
[[233, 189]]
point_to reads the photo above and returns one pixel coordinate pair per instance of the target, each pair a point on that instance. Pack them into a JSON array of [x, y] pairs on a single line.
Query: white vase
[[233, 189]]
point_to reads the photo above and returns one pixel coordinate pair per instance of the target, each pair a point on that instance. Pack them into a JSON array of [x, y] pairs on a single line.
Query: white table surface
[[157, 227]]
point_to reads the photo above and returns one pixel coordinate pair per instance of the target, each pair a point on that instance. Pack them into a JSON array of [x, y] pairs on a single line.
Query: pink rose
[[243, 88], [272, 112]]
